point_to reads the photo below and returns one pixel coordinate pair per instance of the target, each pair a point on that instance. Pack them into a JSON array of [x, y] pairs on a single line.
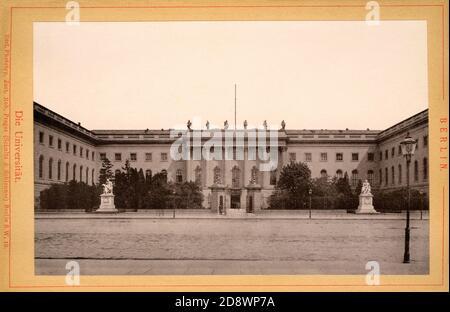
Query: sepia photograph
[[231, 148]]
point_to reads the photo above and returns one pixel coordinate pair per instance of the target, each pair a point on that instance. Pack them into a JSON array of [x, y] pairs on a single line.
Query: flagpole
[[234, 106]]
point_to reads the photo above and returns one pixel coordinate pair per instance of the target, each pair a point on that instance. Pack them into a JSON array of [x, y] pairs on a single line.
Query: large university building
[[64, 151]]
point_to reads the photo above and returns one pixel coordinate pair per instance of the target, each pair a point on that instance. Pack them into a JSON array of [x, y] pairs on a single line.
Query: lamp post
[[421, 204], [408, 146], [310, 201]]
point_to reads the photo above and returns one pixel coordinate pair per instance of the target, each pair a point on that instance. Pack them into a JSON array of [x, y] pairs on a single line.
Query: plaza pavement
[[280, 243]]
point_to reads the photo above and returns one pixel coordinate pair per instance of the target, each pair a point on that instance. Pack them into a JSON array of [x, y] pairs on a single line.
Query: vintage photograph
[[231, 148]]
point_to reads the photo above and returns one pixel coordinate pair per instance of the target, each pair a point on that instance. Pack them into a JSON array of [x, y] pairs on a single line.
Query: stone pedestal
[[218, 199], [365, 204], [254, 198], [107, 204]]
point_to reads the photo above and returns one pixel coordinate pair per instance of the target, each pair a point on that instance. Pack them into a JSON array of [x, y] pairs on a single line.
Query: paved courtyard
[[164, 246]]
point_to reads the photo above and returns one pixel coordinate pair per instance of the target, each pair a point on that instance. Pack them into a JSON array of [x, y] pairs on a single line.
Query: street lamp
[[310, 200], [408, 146]]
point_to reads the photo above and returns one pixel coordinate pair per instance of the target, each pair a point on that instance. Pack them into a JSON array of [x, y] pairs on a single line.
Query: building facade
[[64, 151]]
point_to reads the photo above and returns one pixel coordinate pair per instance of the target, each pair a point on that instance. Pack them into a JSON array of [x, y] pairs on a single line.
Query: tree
[[292, 187], [105, 171]]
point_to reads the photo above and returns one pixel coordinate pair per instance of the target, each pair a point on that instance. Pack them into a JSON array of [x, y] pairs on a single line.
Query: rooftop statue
[[283, 125], [225, 125], [265, 124], [207, 125], [189, 124], [245, 124]]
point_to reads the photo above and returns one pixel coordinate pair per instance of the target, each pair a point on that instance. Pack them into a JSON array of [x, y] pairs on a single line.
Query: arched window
[[41, 166], [179, 176], [93, 177], [67, 171], [236, 177], [50, 168], [355, 178], [198, 175], [273, 177], [400, 174], [416, 171], [74, 173], [59, 170], [370, 176], [87, 175], [425, 169], [81, 173], [217, 175], [339, 174], [392, 175], [254, 175], [323, 173]]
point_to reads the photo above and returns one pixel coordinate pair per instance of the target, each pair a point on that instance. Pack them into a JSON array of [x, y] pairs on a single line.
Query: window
[[339, 174], [67, 147], [355, 156], [50, 168], [425, 141], [93, 177], [308, 157], [323, 156], [386, 176], [416, 171], [148, 156], [236, 177], [425, 169], [386, 154], [393, 152], [59, 144], [41, 137], [74, 172], [217, 175], [400, 174], [370, 176], [323, 174], [59, 170], [392, 175], [81, 151], [355, 178], [380, 173], [50, 140], [81, 173], [339, 157], [102, 156], [370, 156], [74, 149], [417, 144], [179, 176], [133, 156], [399, 152], [117, 156], [87, 175], [198, 175], [381, 156], [87, 154], [148, 175], [292, 156], [67, 171], [163, 156], [164, 173], [254, 175], [273, 177], [41, 166], [93, 155]]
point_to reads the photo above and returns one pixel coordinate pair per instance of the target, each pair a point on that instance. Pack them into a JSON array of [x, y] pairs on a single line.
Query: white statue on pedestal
[[107, 198], [366, 199]]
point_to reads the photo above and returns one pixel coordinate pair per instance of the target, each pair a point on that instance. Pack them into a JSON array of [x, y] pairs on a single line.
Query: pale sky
[[314, 75]]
